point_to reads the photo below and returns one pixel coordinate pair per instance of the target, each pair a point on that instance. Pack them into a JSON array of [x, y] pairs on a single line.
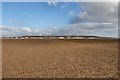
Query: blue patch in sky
[[38, 14]]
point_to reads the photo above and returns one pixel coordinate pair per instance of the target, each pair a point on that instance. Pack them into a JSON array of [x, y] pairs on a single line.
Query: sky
[[59, 18]]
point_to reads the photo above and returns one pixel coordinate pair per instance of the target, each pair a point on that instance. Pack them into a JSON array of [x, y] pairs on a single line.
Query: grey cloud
[[97, 12], [100, 18]]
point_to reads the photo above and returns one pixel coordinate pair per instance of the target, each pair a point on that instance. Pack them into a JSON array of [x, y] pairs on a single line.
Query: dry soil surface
[[59, 58]]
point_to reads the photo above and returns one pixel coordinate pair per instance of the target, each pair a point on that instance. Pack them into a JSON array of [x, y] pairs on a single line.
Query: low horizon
[[84, 36], [62, 40]]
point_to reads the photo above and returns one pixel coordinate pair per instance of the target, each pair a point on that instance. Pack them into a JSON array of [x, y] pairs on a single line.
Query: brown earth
[[59, 58]]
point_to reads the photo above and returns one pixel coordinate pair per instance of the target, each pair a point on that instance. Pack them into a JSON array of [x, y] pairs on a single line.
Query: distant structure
[[57, 37]]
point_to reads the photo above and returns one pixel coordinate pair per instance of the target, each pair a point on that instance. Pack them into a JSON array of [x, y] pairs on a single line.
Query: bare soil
[[59, 58]]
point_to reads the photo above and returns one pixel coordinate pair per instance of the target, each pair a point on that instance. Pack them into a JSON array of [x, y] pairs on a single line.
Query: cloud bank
[[96, 29]]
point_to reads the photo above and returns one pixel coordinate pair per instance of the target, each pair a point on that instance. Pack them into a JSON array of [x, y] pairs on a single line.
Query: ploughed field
[[28, 58]]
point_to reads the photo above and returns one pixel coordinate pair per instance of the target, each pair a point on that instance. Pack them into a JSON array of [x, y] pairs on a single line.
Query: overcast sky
[[60, 18]]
